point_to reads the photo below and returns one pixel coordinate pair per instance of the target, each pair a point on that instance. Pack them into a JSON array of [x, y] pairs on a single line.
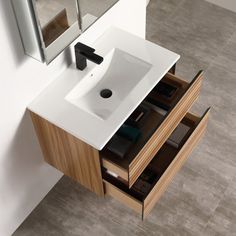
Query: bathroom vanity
[[130, 144]]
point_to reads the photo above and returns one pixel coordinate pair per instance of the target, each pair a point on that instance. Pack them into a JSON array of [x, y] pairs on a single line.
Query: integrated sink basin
[[106, 86], [92, 104]]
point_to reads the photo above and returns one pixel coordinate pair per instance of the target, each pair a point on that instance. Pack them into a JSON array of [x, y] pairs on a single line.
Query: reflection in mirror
[[55, 18], [91, 10], [47, 27]]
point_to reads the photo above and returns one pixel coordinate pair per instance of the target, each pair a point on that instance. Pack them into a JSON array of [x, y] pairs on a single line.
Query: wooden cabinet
[[153, 153]]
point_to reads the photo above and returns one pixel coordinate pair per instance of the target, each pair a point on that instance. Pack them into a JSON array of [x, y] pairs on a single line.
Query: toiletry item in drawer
[[138, 117], [178, 136], [165, 93], [129, 132], [123, 139], [119, 145], [165, 90], [145, 182], [155, 108]]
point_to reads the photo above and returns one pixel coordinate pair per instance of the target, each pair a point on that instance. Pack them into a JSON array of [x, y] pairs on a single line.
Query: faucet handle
[[80, 47]]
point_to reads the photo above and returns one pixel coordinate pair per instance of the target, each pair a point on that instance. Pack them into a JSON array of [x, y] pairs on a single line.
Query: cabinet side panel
[[70, 155]]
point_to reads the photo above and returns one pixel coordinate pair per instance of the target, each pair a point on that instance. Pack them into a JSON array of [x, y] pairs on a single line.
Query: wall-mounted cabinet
[[160, 134]]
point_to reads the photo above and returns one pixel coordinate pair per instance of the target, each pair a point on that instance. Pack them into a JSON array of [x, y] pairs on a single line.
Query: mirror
[[47, 27], [58, 23], [55, 17], [91, 10]]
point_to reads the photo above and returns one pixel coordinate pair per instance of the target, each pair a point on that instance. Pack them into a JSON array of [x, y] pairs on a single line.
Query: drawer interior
[[158, 104], [160, 163]]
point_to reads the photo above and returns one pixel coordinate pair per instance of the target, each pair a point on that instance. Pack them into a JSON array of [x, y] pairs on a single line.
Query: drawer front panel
[[164, 130], [116, 169], [121, 196], [177, 163]]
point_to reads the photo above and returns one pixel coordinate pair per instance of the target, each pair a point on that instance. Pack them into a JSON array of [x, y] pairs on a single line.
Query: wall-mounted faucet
[[84, 52]]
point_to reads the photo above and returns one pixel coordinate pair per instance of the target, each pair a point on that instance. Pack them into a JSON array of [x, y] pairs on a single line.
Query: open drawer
[[158, 126], [157, 175]]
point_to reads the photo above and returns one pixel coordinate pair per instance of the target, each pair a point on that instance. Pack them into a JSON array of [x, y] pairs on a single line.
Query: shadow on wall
[[8, 17], [24, 155], [24, 175]]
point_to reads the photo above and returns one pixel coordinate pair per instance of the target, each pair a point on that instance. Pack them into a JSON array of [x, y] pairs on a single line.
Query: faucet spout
[[84, 52]]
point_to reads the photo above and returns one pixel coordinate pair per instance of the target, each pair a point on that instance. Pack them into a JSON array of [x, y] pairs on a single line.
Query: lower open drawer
[[155, 178]]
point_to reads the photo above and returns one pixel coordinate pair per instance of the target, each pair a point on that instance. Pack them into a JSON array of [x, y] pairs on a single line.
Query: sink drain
[[106, 93]]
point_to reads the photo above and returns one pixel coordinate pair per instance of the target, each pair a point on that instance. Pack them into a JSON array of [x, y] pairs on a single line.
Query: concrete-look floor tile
[[162, 10], [157, 225], [201, 193], [223, 220], [188, 202], [228, 203], [227, 58], [211, 167], [197, 28], [222, 119], [219, 144], [73, 210], [172, 219], [218, 91], [179, 215], [216, 230], [220, 81], [188, 66], [158, 12]]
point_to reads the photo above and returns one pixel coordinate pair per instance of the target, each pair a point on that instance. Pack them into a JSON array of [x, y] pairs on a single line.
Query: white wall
[[228, 4], [24, 178]]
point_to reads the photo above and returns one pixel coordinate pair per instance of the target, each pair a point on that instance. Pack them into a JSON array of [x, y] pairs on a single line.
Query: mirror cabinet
[[47, 27]]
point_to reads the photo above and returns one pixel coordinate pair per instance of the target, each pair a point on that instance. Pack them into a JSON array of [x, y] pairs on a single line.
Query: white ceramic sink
[[131, 68], [102, 91]]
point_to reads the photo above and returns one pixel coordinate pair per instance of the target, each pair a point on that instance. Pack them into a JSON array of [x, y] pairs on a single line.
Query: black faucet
[[84, 52]]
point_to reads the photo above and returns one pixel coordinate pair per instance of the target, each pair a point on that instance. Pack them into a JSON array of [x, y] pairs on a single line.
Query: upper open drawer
[[160, 113]]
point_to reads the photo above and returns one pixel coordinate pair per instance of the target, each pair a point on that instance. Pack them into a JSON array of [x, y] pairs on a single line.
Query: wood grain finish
[[115, 168], [126, 199], [164, 130], [176, 164], [161, 134], [161, 185], [70, 155]]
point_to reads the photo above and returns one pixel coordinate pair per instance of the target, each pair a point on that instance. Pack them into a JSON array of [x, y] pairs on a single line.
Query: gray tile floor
[[202, 198]]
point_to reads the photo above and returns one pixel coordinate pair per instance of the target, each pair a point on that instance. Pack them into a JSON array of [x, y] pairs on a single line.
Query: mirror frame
[[31, 33]]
